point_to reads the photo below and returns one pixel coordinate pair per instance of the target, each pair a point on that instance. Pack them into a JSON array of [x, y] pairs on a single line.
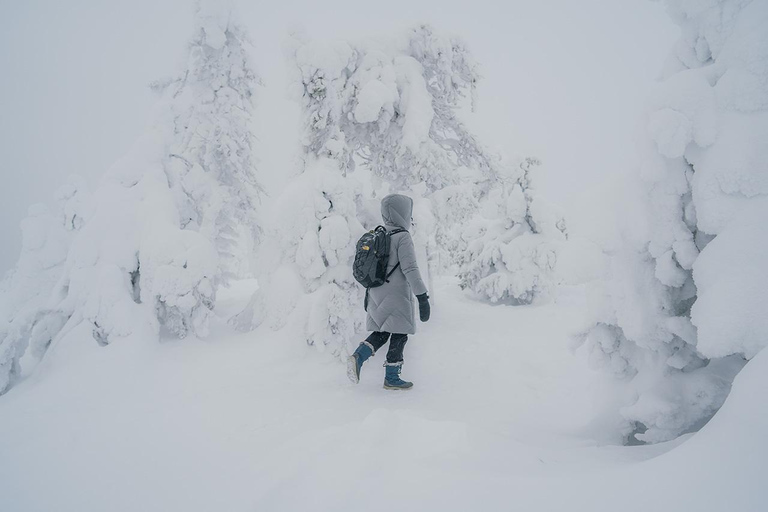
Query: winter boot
[[356, 360], [392, 378]]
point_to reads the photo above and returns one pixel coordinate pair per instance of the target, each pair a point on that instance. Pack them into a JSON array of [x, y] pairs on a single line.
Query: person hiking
[[390, 307]]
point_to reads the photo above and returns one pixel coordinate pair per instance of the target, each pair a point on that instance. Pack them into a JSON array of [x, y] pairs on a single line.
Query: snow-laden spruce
[[685, 308], [390, 108], [211, 165], [391, 105], [146, 250]]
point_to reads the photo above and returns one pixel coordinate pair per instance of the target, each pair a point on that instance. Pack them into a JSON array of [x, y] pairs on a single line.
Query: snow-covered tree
[[212, 166], [379, 116], [382, 114], [390, 107], [311, 285], [145, 252], [513, 241], [684, 310]]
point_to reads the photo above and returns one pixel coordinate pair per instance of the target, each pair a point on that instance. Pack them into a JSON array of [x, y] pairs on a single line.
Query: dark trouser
[[396, 344]]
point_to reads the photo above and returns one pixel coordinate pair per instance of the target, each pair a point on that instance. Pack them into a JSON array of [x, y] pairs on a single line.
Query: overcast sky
[[564, 80]]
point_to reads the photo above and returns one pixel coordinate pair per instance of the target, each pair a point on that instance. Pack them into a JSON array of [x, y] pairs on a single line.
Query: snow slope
[[498, 420]]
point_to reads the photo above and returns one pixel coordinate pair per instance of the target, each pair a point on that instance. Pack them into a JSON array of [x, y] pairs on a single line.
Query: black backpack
[[371, 258]]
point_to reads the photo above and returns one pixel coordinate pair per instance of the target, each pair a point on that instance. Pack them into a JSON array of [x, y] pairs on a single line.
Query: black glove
[[423, 306]]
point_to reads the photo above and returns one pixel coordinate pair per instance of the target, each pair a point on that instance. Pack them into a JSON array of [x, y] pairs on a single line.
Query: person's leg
[[394, 363], [365, 350], [396, 346], [377, 339]]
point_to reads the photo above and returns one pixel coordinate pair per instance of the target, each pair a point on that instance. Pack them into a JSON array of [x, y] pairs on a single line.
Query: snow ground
[[499, 419]]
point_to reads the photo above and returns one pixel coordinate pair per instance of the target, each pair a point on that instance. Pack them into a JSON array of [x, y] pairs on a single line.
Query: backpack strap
[[386, 280], [392, 272]]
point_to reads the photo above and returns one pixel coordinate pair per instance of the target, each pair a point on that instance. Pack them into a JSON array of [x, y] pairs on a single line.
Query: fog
[[564, 81]]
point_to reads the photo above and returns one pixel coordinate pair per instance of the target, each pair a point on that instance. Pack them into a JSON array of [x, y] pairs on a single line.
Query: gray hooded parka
[[391, 305]]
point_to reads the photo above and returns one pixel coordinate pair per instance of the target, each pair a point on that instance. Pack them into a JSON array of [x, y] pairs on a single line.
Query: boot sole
[[397, 388], [352, 370]]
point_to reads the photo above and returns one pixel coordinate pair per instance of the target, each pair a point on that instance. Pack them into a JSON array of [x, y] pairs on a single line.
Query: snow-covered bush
[[513, 241], [146, 251], [316, 228], [684, 308], [118, 261], [25, 317]]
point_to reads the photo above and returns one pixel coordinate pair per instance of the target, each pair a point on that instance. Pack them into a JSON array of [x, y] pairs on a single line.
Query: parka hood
[[397, 210]]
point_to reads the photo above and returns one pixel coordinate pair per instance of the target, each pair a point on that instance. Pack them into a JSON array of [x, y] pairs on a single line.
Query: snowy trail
[[259, 422]]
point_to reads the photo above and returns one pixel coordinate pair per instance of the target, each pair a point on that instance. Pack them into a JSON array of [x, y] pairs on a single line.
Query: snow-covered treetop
[[213, 18], [390, 104], [217, 91]]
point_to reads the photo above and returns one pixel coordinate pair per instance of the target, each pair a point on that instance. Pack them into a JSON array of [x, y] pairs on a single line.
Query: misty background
[[563, 81]]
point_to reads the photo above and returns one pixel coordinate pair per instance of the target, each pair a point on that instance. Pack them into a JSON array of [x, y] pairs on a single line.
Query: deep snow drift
[[496, 421]]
